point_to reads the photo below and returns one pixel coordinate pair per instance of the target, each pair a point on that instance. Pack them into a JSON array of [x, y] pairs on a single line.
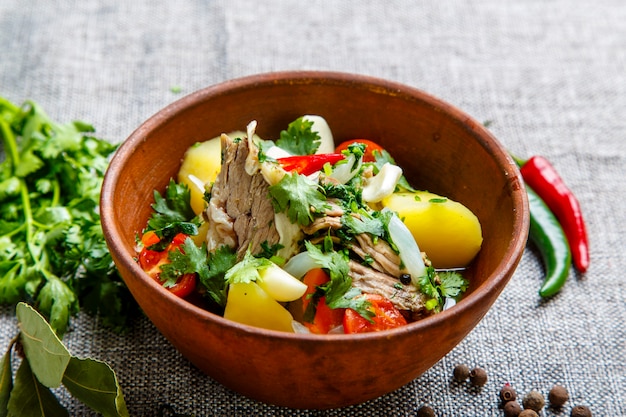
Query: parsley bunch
[[52, 248]]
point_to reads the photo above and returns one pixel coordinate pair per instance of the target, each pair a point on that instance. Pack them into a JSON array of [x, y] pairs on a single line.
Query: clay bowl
[[440, 148]]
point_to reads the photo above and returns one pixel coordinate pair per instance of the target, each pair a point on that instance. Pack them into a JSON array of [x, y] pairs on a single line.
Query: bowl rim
[[495, 283]]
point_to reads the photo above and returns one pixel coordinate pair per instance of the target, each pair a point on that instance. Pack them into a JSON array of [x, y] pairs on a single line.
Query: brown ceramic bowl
[[440, 148]]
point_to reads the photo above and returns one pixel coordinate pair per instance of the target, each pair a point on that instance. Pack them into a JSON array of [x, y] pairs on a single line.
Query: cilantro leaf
[[174, 207], [58, 301], [338, 290], [299, 197], [172, 214], [441, 285], [52, 249], [247, 270], [365, 223], [452, 284], [187, 259], [220, 261], [299, 138]]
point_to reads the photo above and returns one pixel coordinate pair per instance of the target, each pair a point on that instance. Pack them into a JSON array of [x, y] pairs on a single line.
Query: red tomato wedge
[[184, 286], [151, 261], [371, 148], [386, 316], [326, 318]]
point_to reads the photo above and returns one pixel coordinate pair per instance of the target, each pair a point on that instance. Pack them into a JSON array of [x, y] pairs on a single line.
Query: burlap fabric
[[549, 76]]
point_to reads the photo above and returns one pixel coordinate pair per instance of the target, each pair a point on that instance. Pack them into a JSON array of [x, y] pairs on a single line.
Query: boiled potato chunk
[[281, 285], [201, 164], [446, 230], [247, 303]]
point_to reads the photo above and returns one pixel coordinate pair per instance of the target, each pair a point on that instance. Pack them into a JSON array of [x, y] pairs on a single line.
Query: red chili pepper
[[542, 177], [308, 164]]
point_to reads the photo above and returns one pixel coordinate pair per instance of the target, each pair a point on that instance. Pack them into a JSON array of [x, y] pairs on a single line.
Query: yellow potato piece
[[446, 230], [201, 164], [247, 303], [280, 285]]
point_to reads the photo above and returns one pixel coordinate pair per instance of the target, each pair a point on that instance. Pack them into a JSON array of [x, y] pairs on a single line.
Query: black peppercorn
[[528, 413], [581, 411], [425, 411], [461, 372], [507, 393], [405, 279], [558, 396], [534, 401], [512, 409], [478, 377]]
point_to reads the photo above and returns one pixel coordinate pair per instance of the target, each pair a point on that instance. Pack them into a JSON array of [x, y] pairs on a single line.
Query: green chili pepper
[[548, 235]]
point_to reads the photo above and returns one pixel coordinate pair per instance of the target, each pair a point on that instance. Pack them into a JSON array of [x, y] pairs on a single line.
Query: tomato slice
[[371, 148], [326, 318], [386, 316], [151, 261], [184, 286]]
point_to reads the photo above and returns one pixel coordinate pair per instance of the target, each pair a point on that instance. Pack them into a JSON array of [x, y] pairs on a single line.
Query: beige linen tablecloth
[[548, 76]]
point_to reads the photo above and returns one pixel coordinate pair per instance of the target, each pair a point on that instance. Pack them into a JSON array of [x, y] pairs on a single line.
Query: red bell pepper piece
[[308, 164], [542, 177]]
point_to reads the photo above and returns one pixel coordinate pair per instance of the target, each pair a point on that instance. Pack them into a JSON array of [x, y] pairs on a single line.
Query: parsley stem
[[56, 192], [8, 138], [14, 231], [12, 108]]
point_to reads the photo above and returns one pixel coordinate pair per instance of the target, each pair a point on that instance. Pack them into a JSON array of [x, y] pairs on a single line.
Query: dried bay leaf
[[6, 382], [94, 383], [46, 354], [29, 398]]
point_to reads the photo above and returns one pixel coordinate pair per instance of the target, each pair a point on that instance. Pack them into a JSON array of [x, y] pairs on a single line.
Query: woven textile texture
[[548, 76]]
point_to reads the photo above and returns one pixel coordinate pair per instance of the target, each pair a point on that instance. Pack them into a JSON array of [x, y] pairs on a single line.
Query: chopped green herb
[[298, 197], [299, 138], [441, 285], [247, 270], [219, 261], [338, 291]]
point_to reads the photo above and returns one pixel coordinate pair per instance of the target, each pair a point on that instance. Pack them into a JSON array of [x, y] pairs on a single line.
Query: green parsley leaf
[[441, 285], [52, 249], [174, 207], [452, 284], [219, 261], [299, 197], [247, 270], [373, 223], [299, 138], [188, 259], [172, 215], [338, 291]]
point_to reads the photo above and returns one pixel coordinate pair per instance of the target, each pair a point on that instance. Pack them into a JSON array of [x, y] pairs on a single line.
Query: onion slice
[[382, 184], [343, 172], [300, 264], [410, 253]]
